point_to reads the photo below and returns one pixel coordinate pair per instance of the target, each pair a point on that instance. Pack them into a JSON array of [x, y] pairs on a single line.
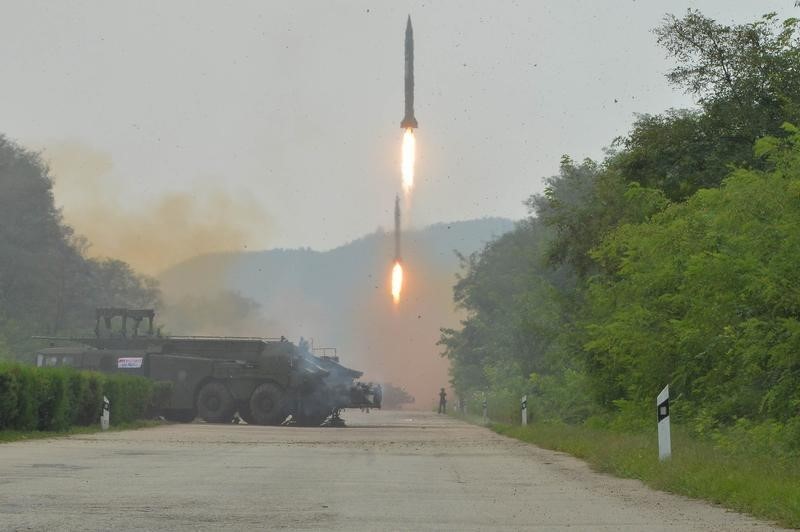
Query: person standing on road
[[442, 402]]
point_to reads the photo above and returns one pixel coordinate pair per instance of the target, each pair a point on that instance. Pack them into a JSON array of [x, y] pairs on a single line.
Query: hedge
[[54, 399]]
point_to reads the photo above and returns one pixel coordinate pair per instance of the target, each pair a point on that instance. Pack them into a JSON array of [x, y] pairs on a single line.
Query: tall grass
[[744, 480]]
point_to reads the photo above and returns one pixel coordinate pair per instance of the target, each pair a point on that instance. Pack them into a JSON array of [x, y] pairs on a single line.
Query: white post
[[662, 408], [105, 417], [524, 405], [485, 411]]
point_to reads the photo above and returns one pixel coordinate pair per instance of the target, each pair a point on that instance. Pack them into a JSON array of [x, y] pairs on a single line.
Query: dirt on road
[[387, 470]]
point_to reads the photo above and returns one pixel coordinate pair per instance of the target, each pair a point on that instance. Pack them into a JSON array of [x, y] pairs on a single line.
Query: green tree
[[705, 297], [47, 283], [516, 312], [582, 204], [679, 251], [747, 84]]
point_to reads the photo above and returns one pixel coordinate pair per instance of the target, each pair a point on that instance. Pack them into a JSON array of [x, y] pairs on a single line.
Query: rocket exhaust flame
[[397, 270], [409, 156], [397, 281]]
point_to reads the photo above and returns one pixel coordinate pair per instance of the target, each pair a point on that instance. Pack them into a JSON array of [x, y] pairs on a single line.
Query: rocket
[[397, 228], [409, 121]]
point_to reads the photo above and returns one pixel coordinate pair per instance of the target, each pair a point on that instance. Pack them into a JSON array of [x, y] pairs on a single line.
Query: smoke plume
[[151, 235]]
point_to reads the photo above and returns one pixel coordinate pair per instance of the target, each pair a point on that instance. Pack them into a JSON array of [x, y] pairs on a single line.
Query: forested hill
[[333, 273], [338, 297]]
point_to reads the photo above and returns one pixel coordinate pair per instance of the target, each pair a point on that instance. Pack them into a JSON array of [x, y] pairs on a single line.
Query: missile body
[[397, 257], [408, 120]]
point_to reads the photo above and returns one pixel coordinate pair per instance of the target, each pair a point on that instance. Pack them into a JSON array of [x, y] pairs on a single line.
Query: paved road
[[387, 471]]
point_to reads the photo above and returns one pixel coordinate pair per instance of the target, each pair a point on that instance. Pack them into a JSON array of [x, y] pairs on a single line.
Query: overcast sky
[[296, 106]]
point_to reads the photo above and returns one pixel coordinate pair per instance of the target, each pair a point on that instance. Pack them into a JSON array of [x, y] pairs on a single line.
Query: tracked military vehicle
[[267, 381]]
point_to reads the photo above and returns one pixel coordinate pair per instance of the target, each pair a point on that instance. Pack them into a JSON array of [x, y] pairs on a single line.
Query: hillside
[[338, 297]]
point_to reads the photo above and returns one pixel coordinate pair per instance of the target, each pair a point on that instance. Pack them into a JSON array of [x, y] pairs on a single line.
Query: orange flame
[[397, 281], [409, 155]]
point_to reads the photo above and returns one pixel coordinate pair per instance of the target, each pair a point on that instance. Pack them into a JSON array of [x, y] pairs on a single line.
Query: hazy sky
[[294, 107]]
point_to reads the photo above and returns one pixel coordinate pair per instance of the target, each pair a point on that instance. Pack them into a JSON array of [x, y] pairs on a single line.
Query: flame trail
[[409, 155], [397, 281]]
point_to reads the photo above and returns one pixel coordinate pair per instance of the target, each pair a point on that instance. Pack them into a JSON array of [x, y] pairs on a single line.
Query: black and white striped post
[[105, 417], [485, 411], [524, 407], [662, 409]]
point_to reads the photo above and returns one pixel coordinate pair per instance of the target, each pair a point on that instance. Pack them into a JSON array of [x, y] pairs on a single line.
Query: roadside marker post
[[524, 408], [105, 417], [662, 409], [485, 411]]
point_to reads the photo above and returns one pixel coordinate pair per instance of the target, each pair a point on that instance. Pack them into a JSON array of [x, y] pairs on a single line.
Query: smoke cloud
[[397, 343], [153, 236], [340, 298]]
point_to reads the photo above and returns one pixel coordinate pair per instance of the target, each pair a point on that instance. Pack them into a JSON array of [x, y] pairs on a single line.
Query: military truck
[[267, 381]]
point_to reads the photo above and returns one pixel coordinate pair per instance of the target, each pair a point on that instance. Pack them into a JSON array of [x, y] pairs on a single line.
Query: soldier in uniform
[[442, 402]]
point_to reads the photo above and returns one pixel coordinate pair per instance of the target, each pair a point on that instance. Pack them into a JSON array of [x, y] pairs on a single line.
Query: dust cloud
[[201, 245], [173, 227], [224, 313], [399, 341]]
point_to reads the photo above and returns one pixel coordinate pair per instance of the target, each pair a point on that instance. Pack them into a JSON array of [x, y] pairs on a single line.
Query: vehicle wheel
[[267, 405], [214, 403], [180, 416], [245, 414]]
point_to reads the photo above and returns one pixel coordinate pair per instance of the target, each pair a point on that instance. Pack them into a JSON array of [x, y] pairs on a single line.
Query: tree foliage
[[582, 204], [705, 296], [517, 314], [673, 261], [48, 285], [747, 84]]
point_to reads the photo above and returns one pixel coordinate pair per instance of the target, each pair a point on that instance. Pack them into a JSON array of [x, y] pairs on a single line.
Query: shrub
[[54, 399], [27, 401], [9, 391], [91, 405], [129, 397]]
